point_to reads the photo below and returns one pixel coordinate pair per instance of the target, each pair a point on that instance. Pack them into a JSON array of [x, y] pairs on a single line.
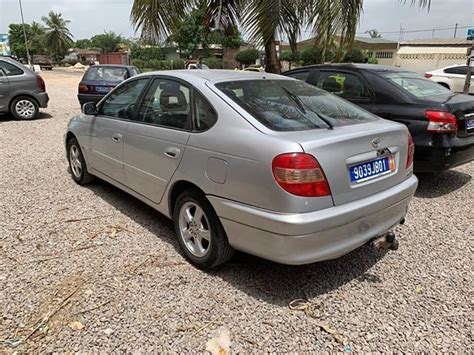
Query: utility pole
[[455, 30], [470, 54], [24, 34], [467, 83]]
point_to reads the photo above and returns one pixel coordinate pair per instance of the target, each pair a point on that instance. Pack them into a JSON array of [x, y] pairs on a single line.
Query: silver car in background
[[22, 92], [248, 161]]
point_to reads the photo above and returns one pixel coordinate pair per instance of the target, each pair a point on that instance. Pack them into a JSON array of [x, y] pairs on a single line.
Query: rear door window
[[461, 70], [300, 75], [291, 105], [10, 69], [346, 85], [112, 74]]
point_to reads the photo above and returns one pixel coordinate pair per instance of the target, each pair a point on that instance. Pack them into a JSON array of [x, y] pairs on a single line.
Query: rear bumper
[[428, 159], [302, 238], [42, 99], [83, 98]]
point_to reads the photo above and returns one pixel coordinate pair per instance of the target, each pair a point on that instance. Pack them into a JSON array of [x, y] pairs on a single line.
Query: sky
[[89, 17]]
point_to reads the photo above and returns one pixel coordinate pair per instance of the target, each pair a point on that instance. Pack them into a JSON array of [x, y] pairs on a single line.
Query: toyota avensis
[[255, 162]]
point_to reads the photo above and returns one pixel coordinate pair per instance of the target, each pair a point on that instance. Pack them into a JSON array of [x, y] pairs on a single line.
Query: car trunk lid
[[462, 106], [367, 146]]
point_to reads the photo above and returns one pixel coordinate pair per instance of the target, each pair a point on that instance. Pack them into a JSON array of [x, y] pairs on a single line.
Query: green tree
[[107, 41], [247, 56], [37, 39], [355, 55], [288, 56], [310, 55], [83, 43], [17, 39], [57, 37]]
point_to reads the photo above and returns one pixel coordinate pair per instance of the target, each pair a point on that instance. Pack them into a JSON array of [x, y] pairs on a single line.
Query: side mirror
[[90, 109]]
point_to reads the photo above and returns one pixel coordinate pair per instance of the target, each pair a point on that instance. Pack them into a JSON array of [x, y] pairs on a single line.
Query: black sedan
[[98, 80], [440, 122]]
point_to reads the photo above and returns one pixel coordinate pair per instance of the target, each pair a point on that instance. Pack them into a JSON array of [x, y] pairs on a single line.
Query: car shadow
[[262, 279], [7, 117], [440, 184]]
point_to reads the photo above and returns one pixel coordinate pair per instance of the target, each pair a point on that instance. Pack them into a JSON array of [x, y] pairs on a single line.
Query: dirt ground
[[90, 269]]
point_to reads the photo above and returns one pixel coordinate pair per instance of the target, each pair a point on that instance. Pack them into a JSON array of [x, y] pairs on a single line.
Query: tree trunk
[[272, 62]]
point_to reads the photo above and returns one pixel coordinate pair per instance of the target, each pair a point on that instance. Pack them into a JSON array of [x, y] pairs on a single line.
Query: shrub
[[373, 60], [247, 56], [310, 55], [213, 63], [355, 55], [157, 64]]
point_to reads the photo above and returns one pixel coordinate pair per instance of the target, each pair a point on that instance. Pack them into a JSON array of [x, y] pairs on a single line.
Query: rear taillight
[[410, 151], [441, 122], [40, 83], [300, 174], [427, 75], [83, 88]]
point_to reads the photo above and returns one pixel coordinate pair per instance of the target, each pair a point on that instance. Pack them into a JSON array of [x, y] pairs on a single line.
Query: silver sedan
[[248, 161]]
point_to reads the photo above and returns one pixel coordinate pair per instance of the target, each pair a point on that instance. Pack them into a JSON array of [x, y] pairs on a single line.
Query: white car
[[451, 77]]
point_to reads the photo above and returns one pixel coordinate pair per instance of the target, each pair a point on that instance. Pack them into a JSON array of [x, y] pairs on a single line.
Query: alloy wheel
[[194, 229], [76, 165], [25, 109]]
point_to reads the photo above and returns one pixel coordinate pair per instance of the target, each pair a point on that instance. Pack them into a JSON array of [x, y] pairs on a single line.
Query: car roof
[[214, 75], [112, 66], [359, 66]]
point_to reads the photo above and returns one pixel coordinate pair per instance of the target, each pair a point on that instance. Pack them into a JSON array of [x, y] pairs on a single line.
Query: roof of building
[[434, 42]]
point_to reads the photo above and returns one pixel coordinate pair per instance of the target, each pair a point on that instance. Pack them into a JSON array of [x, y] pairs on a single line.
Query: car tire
[[202, 240], [77, 164], [24, 108]]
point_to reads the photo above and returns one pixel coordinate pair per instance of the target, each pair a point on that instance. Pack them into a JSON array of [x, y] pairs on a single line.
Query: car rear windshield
[[292, 105], [106, 74], [416, 85]]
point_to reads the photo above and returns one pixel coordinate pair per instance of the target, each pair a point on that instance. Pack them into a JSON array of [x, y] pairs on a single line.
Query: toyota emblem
[[376, 143]]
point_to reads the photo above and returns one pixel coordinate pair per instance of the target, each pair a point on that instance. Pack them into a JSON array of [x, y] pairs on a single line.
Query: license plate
[[470, 124], [103, 88], [371, 169]]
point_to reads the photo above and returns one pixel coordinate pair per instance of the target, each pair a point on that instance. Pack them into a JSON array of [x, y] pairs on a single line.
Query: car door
[[155, 143], [348, 85], [457, 77], [109, 126], [4, 90]]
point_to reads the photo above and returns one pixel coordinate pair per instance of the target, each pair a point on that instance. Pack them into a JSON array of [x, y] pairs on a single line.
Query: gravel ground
[[120, 277]]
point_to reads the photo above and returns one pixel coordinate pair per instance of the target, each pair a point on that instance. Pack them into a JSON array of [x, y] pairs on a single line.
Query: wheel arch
[[176, 190], [22, 95], [446, 85]]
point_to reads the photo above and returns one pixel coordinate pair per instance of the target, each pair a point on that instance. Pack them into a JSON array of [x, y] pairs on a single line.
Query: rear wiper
[[300, 104], [295, 99]]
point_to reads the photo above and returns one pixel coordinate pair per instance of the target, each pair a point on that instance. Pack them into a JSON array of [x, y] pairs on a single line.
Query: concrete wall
[[423, 59]]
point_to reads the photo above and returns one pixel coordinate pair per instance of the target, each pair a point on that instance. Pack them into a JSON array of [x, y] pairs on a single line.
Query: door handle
[[117, 137], [172, 152]]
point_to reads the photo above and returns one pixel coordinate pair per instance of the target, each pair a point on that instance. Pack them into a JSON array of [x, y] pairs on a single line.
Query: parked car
[[43, 61], [98, 80], [196, 66], [440, 122], [22, 92], [452, 77], [258, 162], [254, 68]]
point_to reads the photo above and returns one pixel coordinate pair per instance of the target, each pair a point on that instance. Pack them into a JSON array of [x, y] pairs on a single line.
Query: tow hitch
[[387, 241]]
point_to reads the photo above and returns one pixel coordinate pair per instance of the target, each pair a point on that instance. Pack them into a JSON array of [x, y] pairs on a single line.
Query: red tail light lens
[[441, 122], [427, 75], [40, 83], [300, 174], [410, 151], [83, 88]]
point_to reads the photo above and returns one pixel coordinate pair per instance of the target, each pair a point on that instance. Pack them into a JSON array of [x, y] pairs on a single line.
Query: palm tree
[[57, 36], [264, 20], [37, 32], [374, 33]]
